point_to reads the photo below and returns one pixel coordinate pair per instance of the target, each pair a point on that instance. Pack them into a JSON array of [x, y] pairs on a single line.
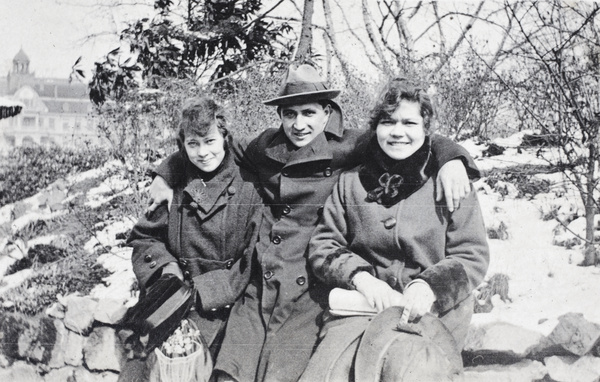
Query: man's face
[[302, 123]]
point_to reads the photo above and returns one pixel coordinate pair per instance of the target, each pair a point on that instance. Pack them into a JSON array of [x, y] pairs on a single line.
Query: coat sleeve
[[149, 239], [172, 169], [445, 150], [331, 260], [466, 259], [224, 286]]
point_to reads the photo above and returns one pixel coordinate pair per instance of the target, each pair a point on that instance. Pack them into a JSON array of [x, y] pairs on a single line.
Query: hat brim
[[302, 98]]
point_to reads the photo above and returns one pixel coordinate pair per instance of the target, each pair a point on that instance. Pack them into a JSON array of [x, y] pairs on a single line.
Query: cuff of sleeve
[[449, 283]]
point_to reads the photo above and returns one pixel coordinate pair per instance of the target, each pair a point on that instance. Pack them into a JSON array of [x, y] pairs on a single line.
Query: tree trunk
[[590, 256], [303, 49]]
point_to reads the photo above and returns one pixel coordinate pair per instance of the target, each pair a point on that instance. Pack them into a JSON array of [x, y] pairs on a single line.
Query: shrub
[[521, 178], [26, 170]]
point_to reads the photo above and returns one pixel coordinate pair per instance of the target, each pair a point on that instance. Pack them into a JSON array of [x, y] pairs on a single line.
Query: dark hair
[[198, 115], [397, 90]]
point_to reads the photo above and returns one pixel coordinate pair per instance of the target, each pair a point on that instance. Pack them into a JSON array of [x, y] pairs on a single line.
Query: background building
[[55, 111]]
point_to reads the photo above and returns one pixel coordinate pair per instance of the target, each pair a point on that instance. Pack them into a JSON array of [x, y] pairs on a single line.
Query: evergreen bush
[[26, 170]]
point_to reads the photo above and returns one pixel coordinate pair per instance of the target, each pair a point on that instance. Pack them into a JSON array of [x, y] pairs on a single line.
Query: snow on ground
[[545, 280]]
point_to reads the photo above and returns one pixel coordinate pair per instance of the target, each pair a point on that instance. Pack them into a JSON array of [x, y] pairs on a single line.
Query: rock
[[57, 356], [507, 189], [36, 340], [494, 342], [20, 372], [575, 232], [63, 374], [73, 351], [56, 310], [84, 375], [103, 350], [523, 371], [573, 334], [79, 314], [110, 310], [573, 369]]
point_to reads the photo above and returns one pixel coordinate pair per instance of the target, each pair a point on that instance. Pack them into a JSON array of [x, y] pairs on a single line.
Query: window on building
[[28, 121], [77, 125], [65, 125], [41, 122], [51, 123], [28, 141]]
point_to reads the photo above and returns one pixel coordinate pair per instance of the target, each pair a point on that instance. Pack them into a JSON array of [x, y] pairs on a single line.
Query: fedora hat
[[302, 84]]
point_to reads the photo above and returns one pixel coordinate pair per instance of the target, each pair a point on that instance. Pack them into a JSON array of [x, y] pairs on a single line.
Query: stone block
[[84, 375], [57, 356], [79, 315], [110, 310], [523, 371], [64, 374], [20, 371], [73, 351], [103, 350], [573, 369], [499, 340], [573, 334]]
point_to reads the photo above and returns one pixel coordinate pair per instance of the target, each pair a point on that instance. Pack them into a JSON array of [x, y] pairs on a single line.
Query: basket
[[193, 367]]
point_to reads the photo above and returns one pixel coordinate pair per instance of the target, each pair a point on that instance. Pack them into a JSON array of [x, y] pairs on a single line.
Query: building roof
[[60, 90], [21, 57], [71, 107]]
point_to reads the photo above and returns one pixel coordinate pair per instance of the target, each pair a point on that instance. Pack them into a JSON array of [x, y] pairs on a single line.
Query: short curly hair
[[198, 115], [397, 90]]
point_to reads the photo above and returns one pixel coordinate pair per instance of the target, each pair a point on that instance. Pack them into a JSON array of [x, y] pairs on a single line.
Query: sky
[[54, 33]]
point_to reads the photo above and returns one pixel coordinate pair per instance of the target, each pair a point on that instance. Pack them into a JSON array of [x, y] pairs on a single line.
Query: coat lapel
[[211, 194]]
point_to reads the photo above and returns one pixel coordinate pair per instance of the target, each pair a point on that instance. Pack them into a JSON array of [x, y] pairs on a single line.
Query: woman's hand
[[159, 193], [419, 299], [378, 293], [452, 183]]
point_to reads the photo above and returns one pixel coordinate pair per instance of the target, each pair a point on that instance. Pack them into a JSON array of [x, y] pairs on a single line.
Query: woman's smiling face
[[402, 133], [206, 152]]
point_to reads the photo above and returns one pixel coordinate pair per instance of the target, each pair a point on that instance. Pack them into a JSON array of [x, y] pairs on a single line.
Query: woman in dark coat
[[207, 237], [383, 234], [273, 328]]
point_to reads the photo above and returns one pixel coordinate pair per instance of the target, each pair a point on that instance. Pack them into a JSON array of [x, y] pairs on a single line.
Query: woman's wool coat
[[414, 237], [273, 328], [210, 231]]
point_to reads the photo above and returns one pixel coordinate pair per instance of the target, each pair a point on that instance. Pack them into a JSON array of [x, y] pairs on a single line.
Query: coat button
[[148, 258], [194, 205], [277, 240], [186, 274], [153, 264], [229, 264], [286, 210], [231, 190], [183, 263], [301, 280], [327, 172], [285, 173], [268, 275], [389, 223], [320, 210], [392, 281], [227, 306]]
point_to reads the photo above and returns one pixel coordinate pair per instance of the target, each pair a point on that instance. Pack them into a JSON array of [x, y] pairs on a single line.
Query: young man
[[273, 328]]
